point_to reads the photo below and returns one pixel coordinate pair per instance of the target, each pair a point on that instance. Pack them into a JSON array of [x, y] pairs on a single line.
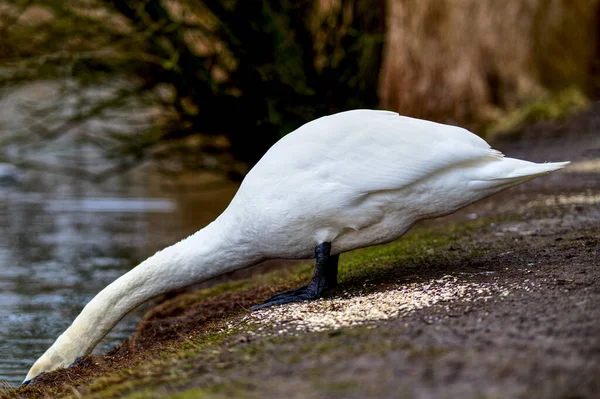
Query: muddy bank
[[498, 300]]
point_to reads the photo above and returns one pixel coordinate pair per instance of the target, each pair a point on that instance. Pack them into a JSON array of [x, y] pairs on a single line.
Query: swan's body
[[338, 183]]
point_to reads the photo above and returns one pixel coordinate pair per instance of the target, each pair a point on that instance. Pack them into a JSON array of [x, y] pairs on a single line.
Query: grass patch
[[558, 106]]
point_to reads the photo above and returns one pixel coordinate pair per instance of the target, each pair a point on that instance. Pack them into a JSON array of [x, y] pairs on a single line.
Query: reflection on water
[[62, 243]]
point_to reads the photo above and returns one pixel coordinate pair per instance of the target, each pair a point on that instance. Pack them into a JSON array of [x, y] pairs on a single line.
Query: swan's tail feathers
[[495, 154], [516, 169]]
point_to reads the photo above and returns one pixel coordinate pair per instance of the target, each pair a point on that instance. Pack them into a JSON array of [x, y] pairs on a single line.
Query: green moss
[[422, 247], [548, 108]]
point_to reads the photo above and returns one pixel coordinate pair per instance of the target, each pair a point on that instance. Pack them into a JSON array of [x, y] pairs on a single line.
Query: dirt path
[[499, 300]]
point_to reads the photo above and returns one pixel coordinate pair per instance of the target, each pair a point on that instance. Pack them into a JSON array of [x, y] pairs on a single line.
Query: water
[[62, 241]]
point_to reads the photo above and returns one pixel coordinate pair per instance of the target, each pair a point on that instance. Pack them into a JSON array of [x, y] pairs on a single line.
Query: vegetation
[[223, 80], [545, 108], [473, 62], [211, 84]]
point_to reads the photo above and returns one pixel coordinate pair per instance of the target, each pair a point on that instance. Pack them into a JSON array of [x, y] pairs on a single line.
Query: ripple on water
[[56, 253], [62, 242]]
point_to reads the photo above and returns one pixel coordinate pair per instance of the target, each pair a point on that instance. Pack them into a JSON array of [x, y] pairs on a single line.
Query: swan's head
[[49, 361], [53, 359], [42, 365]]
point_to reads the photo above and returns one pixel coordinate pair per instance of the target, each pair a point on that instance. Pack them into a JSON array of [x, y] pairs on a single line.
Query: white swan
[[338, 183]]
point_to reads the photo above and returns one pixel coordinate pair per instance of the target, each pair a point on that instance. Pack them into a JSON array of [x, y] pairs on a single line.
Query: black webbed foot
[[298, 295], [293, 292], [324, 278]]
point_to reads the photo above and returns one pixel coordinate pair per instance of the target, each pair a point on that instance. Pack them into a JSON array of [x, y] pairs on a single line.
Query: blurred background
[[126, 125]]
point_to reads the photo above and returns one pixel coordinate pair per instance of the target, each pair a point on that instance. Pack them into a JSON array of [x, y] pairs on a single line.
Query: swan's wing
[[374, 151], [364, 151]]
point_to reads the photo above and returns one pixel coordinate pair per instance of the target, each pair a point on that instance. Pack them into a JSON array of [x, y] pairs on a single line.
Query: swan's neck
[[212, 251]]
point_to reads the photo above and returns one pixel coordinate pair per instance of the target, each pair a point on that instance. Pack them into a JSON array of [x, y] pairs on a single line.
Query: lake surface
[[62, 241]]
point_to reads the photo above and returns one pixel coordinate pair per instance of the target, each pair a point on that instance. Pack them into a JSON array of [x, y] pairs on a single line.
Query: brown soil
[[537, 334]]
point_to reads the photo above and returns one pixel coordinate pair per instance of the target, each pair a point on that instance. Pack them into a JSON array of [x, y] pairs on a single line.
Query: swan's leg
[[324, 278], [329, 273]]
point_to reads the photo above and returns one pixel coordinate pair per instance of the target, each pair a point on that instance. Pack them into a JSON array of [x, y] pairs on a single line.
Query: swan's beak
[[32, 380]]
